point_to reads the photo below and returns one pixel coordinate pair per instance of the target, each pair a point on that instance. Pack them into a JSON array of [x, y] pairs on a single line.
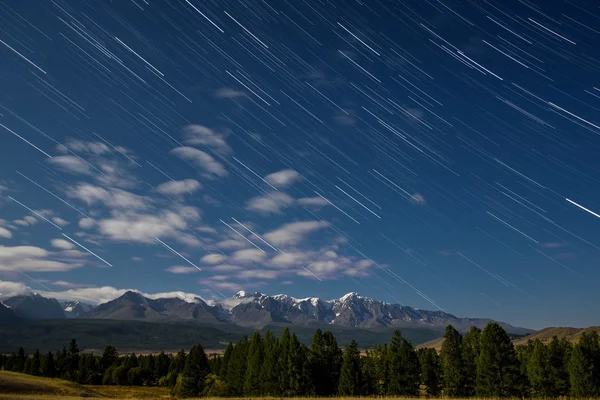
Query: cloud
[[86, 223], [5, 233], [177, 188], [226, 268], [283, 178], [31, 258], [248, 255], [552, 245], [70, 164], [312, 202], [112, 197], [272, 203], [201, 159], [343, 118], [288, 259], [232, 244], [59, 221], [293, 233], [10, 289], [198, 135], [418, 198], [85, 147], [258, 274], [181, 270], [213, 258], [30, 220], [61, 244], [229, 93], [144, 228]]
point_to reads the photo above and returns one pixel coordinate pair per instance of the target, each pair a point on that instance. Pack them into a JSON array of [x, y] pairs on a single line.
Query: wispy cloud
[[201, 160]]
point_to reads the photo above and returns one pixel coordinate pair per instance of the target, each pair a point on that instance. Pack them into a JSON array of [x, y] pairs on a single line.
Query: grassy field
[[20, 386]]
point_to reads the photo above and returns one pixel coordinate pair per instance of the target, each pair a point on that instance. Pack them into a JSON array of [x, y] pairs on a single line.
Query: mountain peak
[[350, 295], [245, 295]]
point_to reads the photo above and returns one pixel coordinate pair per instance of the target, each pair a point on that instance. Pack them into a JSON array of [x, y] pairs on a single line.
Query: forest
[[478, 364]]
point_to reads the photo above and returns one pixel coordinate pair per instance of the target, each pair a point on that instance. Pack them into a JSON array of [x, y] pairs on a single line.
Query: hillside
[[50, 335], [546, 334], [15, 383], [21, 386]]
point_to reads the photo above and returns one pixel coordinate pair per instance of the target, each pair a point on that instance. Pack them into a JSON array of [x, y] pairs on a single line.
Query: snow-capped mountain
[[34, 306], [256, 310], [74, 309]]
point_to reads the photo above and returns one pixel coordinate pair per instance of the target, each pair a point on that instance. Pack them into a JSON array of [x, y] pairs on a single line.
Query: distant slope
[[437, 343], [21, 384], [51, 335], [34, 306], [546, 334]]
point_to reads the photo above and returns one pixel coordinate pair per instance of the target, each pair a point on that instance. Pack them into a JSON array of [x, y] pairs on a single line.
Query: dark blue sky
[[438, 154]]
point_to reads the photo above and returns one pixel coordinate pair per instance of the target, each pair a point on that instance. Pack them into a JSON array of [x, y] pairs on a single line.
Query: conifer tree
[[431, 371], [452, 363], [538, 370], [225, 363], [284, 374], [333, 364], [269, 370], [109, 357], [236, 370], [583, 366], [470, 353], [369, 374], [296, 367], [34, 367], [317, 362], [404, 370], [190, 383], [350, 376], [382, 365], [498, 370], [48, 366], [255, 360], [559, 351], [161, 366], [20, 361]]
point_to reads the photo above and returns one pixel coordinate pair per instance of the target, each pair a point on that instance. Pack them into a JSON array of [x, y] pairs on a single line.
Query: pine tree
[[236, 370], [72, 360], [284, 374], [48, 366], [190, 383], [431, 371], [317, 362], [225, 363], [20, 361], [404, 370], [382, 365], [333, 364], [109, 357], [269, 370], [296, 364], [161, 366], [498, 370], [255, 360], [350, 376], [470, 353], [559, 350], [34, 367], [538, 370], [584, 366], [369, 375], [452, 363]]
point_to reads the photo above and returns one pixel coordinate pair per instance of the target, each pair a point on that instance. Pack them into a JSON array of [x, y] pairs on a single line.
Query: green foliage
[[431, 371], [486, 363], [452, 363], [404, 370], [498, 373], [351, 374], [584, 366]]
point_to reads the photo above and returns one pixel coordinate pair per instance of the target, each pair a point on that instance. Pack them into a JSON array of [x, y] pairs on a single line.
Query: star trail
[[271, 145]]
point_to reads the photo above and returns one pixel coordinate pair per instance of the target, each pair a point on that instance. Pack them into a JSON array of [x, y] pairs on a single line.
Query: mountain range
[[249, 310]]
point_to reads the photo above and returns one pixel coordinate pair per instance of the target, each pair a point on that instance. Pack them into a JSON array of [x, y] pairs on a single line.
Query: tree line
[[478, 364]]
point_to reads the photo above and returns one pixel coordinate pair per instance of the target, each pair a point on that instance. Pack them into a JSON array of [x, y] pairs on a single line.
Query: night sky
[[437, 154]]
